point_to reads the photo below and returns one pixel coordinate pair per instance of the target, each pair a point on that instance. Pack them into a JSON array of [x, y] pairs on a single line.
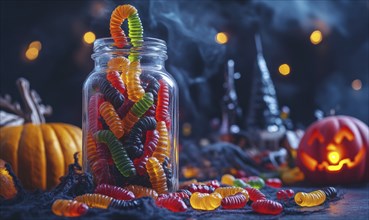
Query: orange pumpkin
[[38, 152], [335, 150]]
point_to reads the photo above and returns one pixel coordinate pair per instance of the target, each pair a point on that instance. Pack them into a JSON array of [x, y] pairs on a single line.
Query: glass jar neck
[[151, 52], [155, 62]]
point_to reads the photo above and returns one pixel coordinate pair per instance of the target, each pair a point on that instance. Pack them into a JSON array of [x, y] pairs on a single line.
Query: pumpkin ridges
[[364, 133], [9, 143], [76, 135], [77, 131], [32, 158], [54, 156], [67, 144]]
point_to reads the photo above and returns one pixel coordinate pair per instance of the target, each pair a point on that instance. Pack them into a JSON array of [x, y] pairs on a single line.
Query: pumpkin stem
[[34, 110]]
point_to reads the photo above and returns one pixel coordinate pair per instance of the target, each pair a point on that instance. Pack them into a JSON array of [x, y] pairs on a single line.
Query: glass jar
[[130, 109]]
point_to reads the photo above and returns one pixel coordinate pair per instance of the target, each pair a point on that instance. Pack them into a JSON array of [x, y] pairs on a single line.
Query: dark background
[[321, 75]]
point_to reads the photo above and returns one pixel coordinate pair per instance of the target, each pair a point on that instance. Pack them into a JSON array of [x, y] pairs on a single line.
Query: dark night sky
[[321, 74]]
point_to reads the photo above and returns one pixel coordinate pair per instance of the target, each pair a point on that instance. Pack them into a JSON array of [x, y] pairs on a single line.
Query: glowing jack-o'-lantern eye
[[333, 157], [316, 135], [343, 133]]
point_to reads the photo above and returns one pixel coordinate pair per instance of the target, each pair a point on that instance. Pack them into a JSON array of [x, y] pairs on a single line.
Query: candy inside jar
[[130, 110]]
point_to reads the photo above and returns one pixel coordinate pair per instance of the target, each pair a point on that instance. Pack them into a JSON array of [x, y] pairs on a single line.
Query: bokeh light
[[356, 84], [89, 37], [186, 129], [31, 53], [35, 44], [284, 69], [316, 37], [221, 38], [285, 112]]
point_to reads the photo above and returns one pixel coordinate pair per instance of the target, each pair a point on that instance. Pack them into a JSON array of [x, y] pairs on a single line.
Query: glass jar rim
[[147, 46]]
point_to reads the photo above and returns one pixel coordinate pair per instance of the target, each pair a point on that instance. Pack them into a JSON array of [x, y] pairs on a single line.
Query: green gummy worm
[[119, 154], [140, 107]]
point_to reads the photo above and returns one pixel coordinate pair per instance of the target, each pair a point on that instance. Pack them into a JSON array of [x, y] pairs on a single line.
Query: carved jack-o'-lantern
[[335, 150]]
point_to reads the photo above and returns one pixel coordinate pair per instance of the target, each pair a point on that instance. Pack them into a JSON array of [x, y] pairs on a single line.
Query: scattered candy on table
[[268, 207], [234, 202], [95, 200], [205, 201], [114, 192], [240, 183], [255, 194], [330, 192], [69, 208], [274, 182], [255, 182], [172, 203], [230, 190], [227, 179], [285, 194], [182, 193], [213, 183], [141, 191], [314, 198], [199, 195], [125, 205]]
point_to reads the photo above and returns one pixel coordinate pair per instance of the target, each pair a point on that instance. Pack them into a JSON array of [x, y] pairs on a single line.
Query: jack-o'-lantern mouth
[[333, 157]]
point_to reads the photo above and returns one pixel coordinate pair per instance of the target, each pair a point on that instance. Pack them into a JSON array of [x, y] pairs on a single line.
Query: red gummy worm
[[114, 78], [114, 192], [172, 203], [162, 109], [274, 182], [255, 194], [93, 112], [266, 206], [140, 164], [234, 202], [152, 139], [98, 162], [290, 193], [285, 194]]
